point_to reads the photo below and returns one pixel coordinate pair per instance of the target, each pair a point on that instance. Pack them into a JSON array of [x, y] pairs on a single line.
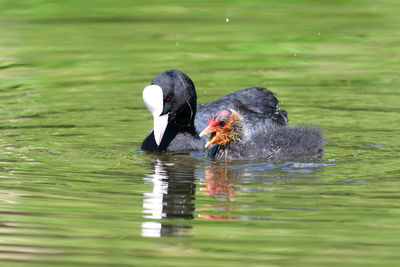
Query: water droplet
[[227, 20]]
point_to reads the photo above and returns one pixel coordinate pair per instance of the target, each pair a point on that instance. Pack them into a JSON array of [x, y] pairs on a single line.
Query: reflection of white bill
[[151, 229], [153, 202]]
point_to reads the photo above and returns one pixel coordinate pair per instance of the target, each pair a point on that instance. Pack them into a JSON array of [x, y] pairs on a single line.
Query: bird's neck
[[236, 127], [185, 117], [183, 125]]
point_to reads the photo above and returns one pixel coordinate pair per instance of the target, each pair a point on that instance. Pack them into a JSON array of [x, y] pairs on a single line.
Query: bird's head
[[225, 127], [171, 98]]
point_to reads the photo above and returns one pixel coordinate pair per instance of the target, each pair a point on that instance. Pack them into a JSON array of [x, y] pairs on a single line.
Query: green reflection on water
[[72, 192]]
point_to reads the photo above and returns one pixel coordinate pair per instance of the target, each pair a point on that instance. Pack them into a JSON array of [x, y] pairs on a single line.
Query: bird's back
[[274, 143], [256, 103]]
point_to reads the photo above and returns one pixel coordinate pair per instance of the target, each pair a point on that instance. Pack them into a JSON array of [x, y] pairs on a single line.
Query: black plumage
[[238, 137], [186, 118]]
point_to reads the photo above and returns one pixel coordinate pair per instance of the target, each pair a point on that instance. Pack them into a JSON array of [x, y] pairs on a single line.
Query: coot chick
[[172, 100], [237, 137]]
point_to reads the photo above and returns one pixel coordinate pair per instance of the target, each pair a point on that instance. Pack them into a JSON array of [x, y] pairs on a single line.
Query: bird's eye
[[168, 98], [221, 123]]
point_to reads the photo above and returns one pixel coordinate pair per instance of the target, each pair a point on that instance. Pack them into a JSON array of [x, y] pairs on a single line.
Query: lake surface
[[76, 190]]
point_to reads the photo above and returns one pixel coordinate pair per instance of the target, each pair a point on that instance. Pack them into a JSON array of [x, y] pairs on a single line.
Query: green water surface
[[76, 190]]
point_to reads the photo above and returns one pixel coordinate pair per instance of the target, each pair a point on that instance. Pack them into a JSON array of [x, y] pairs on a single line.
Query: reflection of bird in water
[[171, 198], [219, 182], [242, 137], [172, 100]]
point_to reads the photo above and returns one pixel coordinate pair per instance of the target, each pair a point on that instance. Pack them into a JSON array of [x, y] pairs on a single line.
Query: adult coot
[[171, 99], [241, 137]]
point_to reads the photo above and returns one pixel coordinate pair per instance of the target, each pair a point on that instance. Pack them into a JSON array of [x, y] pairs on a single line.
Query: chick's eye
[[221, 123], [168, 98]]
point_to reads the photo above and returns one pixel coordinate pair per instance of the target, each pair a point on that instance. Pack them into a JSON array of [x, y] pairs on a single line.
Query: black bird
[[171, 99], [239, 137]]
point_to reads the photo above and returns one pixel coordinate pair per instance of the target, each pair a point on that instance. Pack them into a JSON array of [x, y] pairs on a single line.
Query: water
[[76, 190]]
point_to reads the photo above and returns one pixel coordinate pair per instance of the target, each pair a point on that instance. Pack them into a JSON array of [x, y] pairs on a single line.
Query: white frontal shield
[[153, 99]]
